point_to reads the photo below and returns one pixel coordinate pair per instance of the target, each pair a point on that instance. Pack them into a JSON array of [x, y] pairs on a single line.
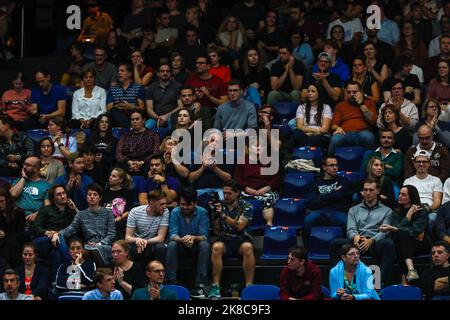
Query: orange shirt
[[222, 72], [350, 117]]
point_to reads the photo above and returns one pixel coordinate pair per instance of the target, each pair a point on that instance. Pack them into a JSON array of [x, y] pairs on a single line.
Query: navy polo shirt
[[48, 103]]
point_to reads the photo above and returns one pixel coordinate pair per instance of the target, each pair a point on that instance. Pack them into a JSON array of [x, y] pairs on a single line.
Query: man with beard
[[11, 284], [157, 179], [121, 100], [353, 120], [188, 234], [161, 98]]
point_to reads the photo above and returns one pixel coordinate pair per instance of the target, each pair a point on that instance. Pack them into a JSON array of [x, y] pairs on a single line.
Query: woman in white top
[[313, 121], [63, 142], [231, 36], [88, 102]]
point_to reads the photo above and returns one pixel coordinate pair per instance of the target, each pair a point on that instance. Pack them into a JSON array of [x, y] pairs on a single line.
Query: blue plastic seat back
[[401, 292], [277, 241], [290, 212], [349, 158], [182, 292], [135, 189], [37, 134], [117, 132], [325, 292], [297, 184], [319, 241], [309, 153], [163, 132], [285, 110], [67, 297], [284, 130], [261, 292], [258, 219], [353, 177]]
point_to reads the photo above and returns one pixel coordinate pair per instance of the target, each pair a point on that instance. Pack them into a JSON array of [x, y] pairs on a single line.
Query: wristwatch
[[61, 145]]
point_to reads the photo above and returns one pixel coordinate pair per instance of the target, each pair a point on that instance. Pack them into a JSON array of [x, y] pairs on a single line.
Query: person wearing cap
[[353, 120], [439, 155], [328, 84], [98, 24], [76, 181], [286, 77], [429, 186], [338, 66]]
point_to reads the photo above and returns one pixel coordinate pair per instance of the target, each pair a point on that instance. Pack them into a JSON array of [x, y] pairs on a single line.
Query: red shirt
[[222, 72], [307, 287], [215, 85]]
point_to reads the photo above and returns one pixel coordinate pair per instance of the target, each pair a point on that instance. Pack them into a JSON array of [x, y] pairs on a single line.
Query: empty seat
[[182, 292], [284, 130], [261, 292], [309, 153], [162, 132], [277, 241], [319, 242], [353, 177], [297, 184], [285, 111], [258, 219], [37, 134], [401, 292], [349, 158], [117, 132], [290, 212]]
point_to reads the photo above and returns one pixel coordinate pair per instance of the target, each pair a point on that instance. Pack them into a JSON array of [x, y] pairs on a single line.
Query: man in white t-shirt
[[429, 187]]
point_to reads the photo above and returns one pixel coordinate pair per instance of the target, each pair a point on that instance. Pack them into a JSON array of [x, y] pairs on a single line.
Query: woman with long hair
[[375, 171], [391, 120], [439, 87], [88, 102], [50, 167], [408, 230], [175, 170], [118, 198], [368, 84], [75, 277], [255, 77], [313, 121], [178, 69], [231, 38], [104, 141], [63, 142], [375, 66], [128, 275], [345, 51], [12, 225], [410, 43], [33, 276]]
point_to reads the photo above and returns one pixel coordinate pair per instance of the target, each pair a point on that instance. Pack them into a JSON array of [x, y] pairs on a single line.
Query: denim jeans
[[199, 250], [58, 255], [363, 139]]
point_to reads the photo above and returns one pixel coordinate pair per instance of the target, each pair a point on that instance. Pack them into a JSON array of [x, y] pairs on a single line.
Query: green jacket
[[415, 227], [165, 294], [51, 218], [393, 164]]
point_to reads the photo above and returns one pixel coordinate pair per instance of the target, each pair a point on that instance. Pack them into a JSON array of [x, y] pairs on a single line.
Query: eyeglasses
[[264, 112], [425, 138], [421, 162]]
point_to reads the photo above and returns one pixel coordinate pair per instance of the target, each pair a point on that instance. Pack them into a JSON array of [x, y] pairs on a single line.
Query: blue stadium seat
[[285, 110], [401, 292], [88, 132], [9, 179], [297, 184], [182, 292], [70, 297], [325, 292], [319, 242], [258, 219], [260, 292], [362, 171], [284, 130], [309, 153], [162, 132], [117, 132], [135, 190], [349, 158], [277, 241], [290, 212], [353, 177], [37, 134]]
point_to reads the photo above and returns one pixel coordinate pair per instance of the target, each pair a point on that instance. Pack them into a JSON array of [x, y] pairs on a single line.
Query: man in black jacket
[[435, 280]]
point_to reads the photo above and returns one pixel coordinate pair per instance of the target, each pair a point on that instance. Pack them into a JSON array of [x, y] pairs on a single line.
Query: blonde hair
[[127, 180]]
